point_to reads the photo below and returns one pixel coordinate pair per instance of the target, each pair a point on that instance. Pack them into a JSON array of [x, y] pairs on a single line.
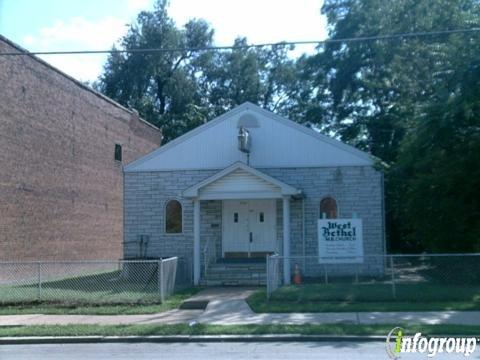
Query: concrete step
[[235, 274], [232, 282], [239, 267], [234, 270]]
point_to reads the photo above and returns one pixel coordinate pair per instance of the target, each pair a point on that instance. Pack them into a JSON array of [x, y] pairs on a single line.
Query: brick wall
[[60, 187], [356, 189]]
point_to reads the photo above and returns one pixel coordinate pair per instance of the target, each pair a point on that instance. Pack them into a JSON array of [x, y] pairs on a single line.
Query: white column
[[196, 242], [286, 239]]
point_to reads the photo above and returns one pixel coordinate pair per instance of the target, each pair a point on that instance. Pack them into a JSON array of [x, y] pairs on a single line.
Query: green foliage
[[204, 329], [161, 86], [85, 307], [414, 104], [441, 162], [348, 297], [178, 91]]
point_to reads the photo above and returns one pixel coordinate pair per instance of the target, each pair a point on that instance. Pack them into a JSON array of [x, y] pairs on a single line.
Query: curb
[[186, 338]]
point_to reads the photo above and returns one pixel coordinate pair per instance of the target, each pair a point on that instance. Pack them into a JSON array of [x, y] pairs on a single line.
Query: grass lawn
[[172, 302], [145, 330], [367, 297], [99, 287]]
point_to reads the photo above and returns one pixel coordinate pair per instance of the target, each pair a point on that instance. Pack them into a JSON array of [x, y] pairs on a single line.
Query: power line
[[247, 46]]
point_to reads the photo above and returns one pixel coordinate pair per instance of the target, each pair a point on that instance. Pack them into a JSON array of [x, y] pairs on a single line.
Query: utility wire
[[247, 46]]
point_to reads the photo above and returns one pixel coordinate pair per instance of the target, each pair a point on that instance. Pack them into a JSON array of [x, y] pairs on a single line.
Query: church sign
[[340, 241]]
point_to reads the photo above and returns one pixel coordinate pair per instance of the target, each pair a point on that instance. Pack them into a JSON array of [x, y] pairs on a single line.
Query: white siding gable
[[276, 142], [238, 181]]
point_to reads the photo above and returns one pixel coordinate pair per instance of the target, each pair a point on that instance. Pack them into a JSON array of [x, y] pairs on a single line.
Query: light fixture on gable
[[245, 122], [244, 140]]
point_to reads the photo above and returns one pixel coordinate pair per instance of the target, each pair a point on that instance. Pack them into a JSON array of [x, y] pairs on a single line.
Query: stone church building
[[250, 184]]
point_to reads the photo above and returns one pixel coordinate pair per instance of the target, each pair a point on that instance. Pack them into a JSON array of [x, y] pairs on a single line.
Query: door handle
[[251, 237]]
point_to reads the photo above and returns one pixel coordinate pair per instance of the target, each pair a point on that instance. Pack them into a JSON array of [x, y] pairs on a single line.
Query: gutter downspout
[[382, 185], [123, 214], [303, 235]]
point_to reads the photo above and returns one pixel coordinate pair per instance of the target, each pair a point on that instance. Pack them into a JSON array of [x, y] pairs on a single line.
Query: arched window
[[328, 206], [173, 217]]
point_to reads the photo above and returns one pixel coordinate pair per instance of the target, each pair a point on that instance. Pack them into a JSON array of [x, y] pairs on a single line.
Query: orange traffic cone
[[297, 276]]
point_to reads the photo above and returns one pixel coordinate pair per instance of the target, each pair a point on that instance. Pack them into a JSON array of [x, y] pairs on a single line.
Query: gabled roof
[[142, 164], [277, 188]]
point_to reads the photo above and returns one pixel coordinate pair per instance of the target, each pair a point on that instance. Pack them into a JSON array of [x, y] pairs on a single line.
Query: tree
[[162, 86], [442, 164], [180, 90], [375, 94], [371, 87], [264, 76]]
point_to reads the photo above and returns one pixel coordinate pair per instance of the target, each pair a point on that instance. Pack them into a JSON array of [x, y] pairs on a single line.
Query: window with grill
[[118, 152], [328, 208]]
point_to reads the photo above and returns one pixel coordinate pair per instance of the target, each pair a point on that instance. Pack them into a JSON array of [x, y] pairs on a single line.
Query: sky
[[62, 25]]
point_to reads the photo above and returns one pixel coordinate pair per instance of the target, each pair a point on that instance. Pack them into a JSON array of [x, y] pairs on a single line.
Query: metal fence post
[[159, 277], [39, 280], [161, 282], [268, 277], [392, 269]]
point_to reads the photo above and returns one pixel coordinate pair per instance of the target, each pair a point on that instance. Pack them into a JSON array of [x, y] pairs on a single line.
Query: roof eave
[[285, 189]]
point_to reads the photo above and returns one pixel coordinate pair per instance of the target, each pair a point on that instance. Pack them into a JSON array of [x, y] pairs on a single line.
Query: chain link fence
[[92, 282], [377, 278]]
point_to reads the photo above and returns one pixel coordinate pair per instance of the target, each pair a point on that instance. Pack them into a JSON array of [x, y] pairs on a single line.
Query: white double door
[[249, 226]]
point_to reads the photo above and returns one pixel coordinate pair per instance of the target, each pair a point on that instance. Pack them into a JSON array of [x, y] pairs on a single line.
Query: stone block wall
[[357, 190]]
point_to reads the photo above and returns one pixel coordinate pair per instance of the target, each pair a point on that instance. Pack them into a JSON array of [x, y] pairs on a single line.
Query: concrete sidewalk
[[168, 317], [227, 306]]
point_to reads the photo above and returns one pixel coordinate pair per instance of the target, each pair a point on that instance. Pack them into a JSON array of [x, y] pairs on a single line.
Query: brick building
[[62, 148]]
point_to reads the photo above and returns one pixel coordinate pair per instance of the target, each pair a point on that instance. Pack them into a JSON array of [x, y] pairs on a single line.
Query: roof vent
[[248, 121]]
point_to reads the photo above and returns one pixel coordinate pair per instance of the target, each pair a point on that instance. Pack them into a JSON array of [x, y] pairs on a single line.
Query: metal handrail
[[207, 255]]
